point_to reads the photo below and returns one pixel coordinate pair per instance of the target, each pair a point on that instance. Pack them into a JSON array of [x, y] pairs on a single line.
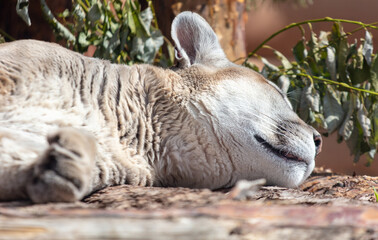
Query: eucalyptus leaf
[[131, 22], [114, 42], [359, 74], [375, 121], [337, 32], [353, 142], [94, 13], [368, 47], [313, 46], [313, 66], [294, 97], [304, 108], [145, 49], [371, 155], [363, 119], [79, 14], [285, 62], [311, 96], [269, 65], [323, 39], [146, 17], [283, 83], [320, 122], [374, 72], [341, 59], [300, 51], [82, 40], [22, 9], [331, 62], [333, 110], [347, 126], [247, 64]]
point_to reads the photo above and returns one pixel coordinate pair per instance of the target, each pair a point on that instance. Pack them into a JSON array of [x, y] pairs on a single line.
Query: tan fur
[[70, 125]]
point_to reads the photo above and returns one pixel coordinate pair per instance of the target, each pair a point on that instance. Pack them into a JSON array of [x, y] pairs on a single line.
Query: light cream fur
[[70, 124]]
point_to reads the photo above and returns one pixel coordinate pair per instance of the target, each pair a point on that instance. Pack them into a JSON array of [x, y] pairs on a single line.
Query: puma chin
[[71, 124]]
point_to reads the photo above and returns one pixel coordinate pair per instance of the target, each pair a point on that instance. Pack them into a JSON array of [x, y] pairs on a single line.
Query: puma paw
[[63, 171], [140, 174]]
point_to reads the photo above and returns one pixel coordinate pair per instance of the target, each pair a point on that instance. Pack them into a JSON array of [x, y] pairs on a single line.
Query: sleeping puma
[[71, 125]]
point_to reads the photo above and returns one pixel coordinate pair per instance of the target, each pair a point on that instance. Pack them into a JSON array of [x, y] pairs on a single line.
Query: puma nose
[[318, 143]]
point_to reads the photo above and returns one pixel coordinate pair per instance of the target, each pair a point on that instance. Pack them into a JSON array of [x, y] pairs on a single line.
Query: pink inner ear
[[186, 37]]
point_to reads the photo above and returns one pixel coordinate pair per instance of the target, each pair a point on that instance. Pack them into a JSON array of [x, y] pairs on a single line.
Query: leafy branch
[[332, 84], [55, 24], [118, 30], [292, 25]]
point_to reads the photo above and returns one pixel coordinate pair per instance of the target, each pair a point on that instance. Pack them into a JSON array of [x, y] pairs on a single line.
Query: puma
[[71, 124]]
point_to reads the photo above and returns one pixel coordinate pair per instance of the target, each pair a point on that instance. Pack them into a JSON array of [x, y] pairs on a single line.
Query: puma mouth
[[280, 153]]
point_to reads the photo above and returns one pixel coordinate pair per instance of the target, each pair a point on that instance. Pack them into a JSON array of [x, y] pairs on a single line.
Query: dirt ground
[[326, 206]]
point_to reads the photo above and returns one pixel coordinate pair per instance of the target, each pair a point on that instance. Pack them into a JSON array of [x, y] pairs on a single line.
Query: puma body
[[71, 124]]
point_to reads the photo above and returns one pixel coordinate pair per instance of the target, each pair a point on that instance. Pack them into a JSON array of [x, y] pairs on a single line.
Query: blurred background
[[241, 26]]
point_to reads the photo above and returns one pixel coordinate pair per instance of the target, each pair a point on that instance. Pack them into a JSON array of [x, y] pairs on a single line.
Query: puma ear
[[196, 41]]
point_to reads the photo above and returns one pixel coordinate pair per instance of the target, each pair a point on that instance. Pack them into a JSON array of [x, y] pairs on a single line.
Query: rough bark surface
[[326, 206]]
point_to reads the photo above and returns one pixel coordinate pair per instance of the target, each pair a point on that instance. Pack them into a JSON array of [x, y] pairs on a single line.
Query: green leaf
[[22, 9], [374, 72], [124, 33], [313, 46], [313, 66], [376, 194], [295, 97], [79, 14], [82, 40], [323, 39], [269, 65], [65, 13], [353, 142], [375, 121], [299, 51], [146, 18], [371, 154], [368, 47], [333, 111], [130, 21], [319, 121], [359, 74], [94, 13], [304, 109], [312, 97], [341, 59], [251, 66], [285, 62], [141, 29], [145, 48], [331, 62], [283, 83], [347, 126], [362, 116], [114, 42], [337, 31]]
